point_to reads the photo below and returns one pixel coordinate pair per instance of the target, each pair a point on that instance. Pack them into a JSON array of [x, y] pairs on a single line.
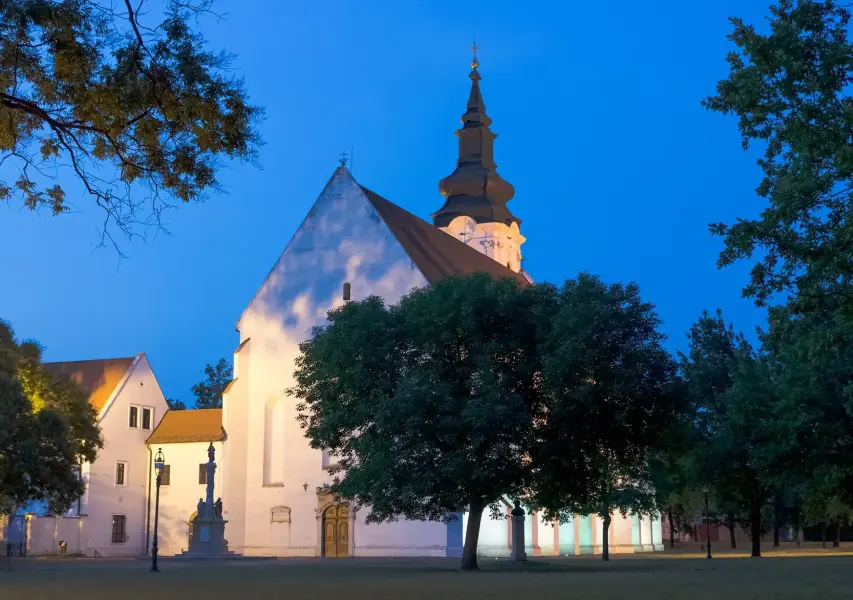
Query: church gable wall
[[342, 240]]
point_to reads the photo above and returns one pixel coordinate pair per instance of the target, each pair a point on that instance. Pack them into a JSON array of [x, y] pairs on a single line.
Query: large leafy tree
[[47, 427], [789, 86], [427, 405], [610, 399], [139, 113], [812, 359], [741, 443], [208, 392], [474, 389], [616, 487]]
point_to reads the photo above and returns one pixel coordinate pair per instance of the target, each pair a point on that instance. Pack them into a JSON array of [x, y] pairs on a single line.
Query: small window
[[202, 474], [146, 418], [134, 417], [121, 473], [119, 529], [166, 475]]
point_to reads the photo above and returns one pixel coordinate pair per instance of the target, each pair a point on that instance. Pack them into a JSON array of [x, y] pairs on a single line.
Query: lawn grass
[[624, 577]]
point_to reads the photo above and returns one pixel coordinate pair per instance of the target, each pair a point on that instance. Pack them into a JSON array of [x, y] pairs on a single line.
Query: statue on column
[[208, 532]]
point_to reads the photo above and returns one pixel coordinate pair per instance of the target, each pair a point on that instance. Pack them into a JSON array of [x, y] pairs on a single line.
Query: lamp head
[[159, 460]]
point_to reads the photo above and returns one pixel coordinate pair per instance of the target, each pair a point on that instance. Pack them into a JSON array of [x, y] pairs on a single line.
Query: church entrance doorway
[[336, 532]]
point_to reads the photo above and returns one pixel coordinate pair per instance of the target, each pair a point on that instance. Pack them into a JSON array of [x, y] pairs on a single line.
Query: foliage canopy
[[138, 114]]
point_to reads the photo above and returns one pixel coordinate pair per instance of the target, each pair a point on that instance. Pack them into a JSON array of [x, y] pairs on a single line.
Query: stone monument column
[[518, 551], [211, 474], [208, 537]]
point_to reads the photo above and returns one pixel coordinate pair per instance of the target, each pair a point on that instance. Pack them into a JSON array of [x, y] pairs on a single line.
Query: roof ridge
[[55, 362]]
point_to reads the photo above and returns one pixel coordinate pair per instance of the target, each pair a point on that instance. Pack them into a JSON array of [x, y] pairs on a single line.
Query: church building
[[352, 244]]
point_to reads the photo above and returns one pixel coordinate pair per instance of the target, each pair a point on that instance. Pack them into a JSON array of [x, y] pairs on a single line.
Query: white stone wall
[[45, 533], [341, 240], [582, 535], [179, 499], [122, 443]]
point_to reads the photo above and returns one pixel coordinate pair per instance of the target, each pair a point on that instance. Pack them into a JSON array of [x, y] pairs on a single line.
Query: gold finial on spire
[[474, 62]]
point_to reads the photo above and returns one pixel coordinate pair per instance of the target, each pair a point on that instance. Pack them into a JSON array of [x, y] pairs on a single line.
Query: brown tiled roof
[[98, 378], [435, 253], [177, 426]]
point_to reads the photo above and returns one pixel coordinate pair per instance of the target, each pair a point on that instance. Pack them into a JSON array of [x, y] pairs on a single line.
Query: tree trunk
[[671, 528], [776, 520], [472, 534], [823, 535], [755, 526], [796, 517], [837, 541], [605, 538], [732, 538]]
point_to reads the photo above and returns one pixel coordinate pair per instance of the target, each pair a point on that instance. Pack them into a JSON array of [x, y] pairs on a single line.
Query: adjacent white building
[[184, 437], [111, 517]]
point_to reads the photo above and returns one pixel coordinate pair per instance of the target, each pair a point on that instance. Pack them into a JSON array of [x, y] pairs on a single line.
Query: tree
[[208, 393], [675, 485], [812, 360], [734, 395], [612, 403], [138, 114], [427, 405], [824, 504], [790, 89], [47, 428], [621, 488], [175, 404]]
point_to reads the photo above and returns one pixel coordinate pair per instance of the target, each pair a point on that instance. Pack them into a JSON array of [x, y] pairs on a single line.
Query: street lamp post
[[706, 491], [159, 463]]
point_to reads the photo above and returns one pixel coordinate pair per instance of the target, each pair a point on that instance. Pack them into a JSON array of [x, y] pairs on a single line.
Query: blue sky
[[617, 168]]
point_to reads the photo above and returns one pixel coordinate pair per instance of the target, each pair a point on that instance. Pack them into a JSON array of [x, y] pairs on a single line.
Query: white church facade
[[351, 245]]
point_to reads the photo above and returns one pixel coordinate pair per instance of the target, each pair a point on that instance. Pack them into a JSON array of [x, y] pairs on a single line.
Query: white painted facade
[[270, 470], [270, 466], [105, 496], [122, 443], [179, 498]]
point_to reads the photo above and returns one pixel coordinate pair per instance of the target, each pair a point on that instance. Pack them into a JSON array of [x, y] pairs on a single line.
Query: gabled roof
[[183, 426], [98, 378], [435, 253]]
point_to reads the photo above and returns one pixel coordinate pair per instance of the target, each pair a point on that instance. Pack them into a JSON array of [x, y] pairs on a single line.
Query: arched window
[[274, 422]]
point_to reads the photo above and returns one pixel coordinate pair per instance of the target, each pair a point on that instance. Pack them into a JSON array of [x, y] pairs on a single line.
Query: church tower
[[475, 208]]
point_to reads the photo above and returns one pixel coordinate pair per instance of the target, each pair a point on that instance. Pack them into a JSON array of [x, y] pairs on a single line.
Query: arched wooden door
[[336, 532]]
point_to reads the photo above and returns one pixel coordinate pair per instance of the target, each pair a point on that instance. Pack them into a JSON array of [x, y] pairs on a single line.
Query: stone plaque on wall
[[280, 514]]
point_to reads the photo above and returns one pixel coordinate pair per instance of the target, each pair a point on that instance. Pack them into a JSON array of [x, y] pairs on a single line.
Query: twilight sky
[[616, 166]]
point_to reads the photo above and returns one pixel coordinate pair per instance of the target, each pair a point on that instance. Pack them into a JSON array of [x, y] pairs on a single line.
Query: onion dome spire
[[474, 188]]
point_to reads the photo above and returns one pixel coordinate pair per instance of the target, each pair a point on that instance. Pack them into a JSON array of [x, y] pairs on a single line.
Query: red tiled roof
[[435, 253], [98, 378], [182, 426]]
